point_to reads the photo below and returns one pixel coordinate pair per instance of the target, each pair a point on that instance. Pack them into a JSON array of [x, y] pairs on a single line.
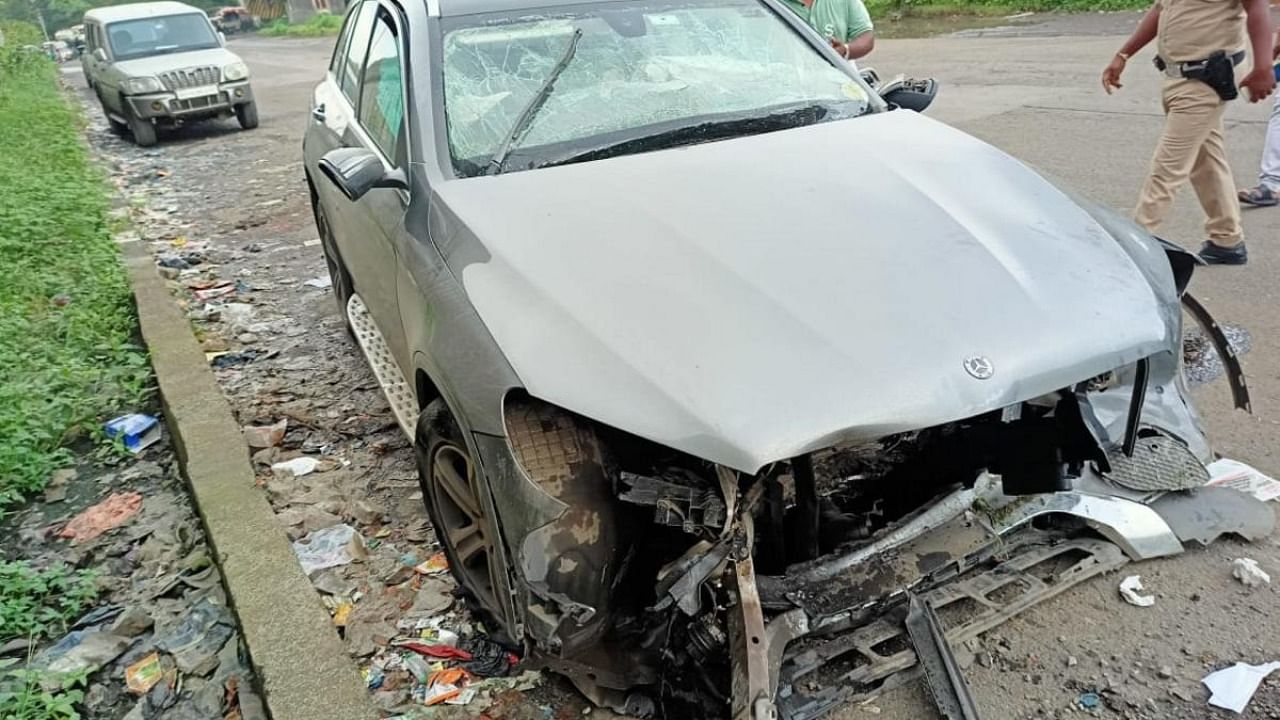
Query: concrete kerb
[[300, 661]]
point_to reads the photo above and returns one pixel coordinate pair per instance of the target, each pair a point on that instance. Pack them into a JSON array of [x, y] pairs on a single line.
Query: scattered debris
[[296, 467], [1130, 588], [330, 547], [1089, 700], [195, 641], [56, 489], [1246, 570], [82, 650], [1232, 688], [228, 359], [322, 282], [265, 436], [137, 431], [143, 675], [1224, 472], [111, 513]]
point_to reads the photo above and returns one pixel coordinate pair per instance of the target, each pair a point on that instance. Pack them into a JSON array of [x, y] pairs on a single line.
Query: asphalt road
[[1035, 94]]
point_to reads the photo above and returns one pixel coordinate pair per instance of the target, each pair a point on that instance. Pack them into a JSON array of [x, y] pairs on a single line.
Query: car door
[[380, 127], [364, 107]]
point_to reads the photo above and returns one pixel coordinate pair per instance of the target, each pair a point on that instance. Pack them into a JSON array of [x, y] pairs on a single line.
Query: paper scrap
[[1232, 688], [143, 675], [1235, 474], [1130, 588], [322, 282], [1246, 570], [297, 467]]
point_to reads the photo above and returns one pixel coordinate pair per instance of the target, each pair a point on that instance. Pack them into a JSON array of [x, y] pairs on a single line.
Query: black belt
[[1179, 69]]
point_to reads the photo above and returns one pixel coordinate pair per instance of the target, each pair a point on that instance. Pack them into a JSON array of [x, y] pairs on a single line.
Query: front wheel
[[451, 490], [247, 114], [144, 131]]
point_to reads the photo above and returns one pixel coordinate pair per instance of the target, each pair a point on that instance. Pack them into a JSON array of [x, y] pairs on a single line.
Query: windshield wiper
[[530, 111], [706, 131]]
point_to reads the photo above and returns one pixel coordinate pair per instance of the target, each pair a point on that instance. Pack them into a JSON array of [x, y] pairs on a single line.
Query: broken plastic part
[[941, 671], [1206, 513]]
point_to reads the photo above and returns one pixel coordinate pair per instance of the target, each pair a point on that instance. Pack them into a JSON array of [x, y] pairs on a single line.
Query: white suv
[[163, 63]]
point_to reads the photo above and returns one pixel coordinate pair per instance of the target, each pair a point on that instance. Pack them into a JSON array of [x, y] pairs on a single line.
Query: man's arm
[[1260, 81], [860, 46], [1142, 35]]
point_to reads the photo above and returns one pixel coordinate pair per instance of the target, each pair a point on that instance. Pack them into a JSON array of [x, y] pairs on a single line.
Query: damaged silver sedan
[[736, 388]]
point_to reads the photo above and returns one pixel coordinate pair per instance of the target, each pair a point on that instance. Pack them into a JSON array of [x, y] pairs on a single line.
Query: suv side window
[[357, 48], [340, 50], [382, 91]]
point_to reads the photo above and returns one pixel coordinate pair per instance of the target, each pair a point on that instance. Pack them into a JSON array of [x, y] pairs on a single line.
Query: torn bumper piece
[[835, 627]]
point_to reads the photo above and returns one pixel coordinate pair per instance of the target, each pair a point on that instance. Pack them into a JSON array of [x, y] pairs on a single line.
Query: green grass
[[886, 8], [41, 603], [68, 358], [320, 25], [23, 695]]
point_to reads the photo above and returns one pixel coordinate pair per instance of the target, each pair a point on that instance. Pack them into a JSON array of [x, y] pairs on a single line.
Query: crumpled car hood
[[749, 300]]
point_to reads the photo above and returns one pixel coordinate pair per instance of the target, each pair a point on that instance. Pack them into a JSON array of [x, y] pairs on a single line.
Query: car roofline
[[456, 8], [136, 11]]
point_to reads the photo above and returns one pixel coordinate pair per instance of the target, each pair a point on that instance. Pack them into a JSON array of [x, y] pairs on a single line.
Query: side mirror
[[356, 171], [100, 55], [909, 94]]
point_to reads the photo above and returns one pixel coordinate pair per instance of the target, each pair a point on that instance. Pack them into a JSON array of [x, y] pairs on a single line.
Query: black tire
[[342, 285], [116, 126], [144, 131], [438, 443], [247, 115]]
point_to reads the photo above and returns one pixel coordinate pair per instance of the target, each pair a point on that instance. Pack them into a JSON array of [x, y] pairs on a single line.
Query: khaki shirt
[[1192, 29]]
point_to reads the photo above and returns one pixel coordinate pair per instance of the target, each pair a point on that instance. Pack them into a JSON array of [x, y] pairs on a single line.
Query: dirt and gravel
[[232, 208]]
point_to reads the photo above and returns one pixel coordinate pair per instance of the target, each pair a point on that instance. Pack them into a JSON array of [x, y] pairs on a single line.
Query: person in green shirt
[[845, 23]]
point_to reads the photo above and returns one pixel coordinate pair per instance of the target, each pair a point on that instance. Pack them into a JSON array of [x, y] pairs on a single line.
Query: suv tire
[[116, 126], [144, 131], [247, 114]]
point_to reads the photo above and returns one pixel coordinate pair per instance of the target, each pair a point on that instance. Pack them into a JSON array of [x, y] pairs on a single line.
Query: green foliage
[[68, 359], [881, 8], [23, 695], [320, 25], [36, 603], [17, 33]]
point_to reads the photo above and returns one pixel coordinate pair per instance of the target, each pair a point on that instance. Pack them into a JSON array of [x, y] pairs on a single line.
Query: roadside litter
[[265, 436], [296, 467], [1247, 571], [111, 513], [1242, 477], [330, 547], [320, 283], [1130, 589], [82, 650], [136, 431], [143, 675], [1232, 688]]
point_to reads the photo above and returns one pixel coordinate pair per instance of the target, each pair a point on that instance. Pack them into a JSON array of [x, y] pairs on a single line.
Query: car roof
[[132, 11]]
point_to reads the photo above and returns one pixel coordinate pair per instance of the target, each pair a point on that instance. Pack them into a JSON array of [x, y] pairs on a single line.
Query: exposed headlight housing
[[235, 71], [141, 85]]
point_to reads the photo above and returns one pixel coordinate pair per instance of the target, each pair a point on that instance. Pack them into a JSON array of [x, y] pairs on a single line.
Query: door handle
[[317, 113]]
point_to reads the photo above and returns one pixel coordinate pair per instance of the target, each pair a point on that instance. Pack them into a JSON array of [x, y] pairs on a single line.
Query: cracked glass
[[636, 66]]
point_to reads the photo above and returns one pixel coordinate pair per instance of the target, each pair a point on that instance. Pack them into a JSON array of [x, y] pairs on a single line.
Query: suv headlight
[[235, 71], [141, 85]]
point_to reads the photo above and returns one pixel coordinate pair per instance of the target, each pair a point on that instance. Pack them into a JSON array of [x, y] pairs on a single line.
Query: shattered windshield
[[160, 35], [637, 69]]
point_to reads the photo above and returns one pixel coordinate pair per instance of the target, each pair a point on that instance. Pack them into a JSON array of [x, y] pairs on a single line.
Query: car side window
[[357, 49], [382, 90], [340, 50]]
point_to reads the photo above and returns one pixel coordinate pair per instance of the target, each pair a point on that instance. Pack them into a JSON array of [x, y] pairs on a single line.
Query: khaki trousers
[[1191, 149]]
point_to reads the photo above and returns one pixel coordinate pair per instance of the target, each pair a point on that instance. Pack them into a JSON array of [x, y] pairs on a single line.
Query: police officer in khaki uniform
[[1201, 45]]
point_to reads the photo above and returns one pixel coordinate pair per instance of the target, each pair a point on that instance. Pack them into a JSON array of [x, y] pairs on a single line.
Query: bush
[[41, 603], [985, 7], [320, 25], [68, 359]]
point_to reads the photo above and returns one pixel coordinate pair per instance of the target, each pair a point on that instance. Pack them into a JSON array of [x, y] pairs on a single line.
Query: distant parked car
[[163, 63], [233, 20], [57, 51]]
